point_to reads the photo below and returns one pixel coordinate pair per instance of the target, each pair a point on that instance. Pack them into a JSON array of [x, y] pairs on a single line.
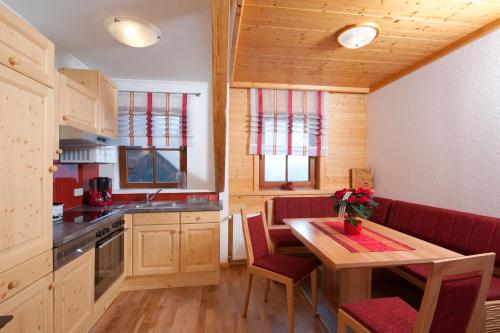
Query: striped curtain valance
[[153, 119], [288, 122]]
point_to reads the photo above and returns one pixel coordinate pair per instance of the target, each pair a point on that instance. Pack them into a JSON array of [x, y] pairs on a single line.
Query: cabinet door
[[26, 128], [24, 49], [74, 295], [108, 107], [32, 308], [156, 249], [200, 247], [79, 105]]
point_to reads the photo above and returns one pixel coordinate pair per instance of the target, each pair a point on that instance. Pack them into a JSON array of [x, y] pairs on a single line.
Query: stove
[[85, 215]]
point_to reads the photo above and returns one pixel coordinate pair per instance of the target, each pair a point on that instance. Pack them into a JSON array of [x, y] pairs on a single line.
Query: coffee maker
[[100, 192]]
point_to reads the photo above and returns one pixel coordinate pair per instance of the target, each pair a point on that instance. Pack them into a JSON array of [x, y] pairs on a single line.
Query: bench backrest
[[458, 231], [301, 207]]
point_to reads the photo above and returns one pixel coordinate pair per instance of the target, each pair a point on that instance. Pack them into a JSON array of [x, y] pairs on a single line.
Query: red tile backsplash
[[69, 177]]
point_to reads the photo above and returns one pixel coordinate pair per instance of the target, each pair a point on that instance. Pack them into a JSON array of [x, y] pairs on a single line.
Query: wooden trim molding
[[247, 85], [436, 55], [238, 15], [220, 38]]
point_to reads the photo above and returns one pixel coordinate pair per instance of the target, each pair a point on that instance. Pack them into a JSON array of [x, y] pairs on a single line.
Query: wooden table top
[[336, 256]]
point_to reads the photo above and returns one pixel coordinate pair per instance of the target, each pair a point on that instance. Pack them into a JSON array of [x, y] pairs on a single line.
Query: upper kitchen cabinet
[[26, 129], [24, 49], [106, 92], [78, 105]]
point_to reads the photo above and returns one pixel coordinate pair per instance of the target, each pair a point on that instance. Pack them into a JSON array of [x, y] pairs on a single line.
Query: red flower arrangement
[[359, 203]]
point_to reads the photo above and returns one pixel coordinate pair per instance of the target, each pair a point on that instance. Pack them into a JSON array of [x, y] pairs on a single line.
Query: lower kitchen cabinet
[[32, 308], [199, 247], [74, 295], [155, 249]]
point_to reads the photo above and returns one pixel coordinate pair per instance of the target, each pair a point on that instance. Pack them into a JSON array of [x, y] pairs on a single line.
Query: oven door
[[109, 254]]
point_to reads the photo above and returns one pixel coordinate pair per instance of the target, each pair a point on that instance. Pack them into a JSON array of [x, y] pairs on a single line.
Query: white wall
[[434, 135], [200, 161]]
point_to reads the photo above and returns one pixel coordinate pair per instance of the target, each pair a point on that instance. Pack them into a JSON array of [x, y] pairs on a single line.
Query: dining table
[[348, 260]]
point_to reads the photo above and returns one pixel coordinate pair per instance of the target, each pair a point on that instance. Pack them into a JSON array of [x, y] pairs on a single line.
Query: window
[[276, 170], [151, 167]]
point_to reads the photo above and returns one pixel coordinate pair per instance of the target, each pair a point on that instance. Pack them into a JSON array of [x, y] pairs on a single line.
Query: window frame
[[310, 184], [124, 183]]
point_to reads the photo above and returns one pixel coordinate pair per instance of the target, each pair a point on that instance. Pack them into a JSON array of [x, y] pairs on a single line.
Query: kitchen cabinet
[[78, 105], [156, 249], [176, 243], [32, 308], [26, 129], [24, 49], [199, 247], [106, 94], [74, 295]]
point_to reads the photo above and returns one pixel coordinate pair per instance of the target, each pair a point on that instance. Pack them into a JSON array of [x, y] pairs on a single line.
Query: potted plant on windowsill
[[354, 204]]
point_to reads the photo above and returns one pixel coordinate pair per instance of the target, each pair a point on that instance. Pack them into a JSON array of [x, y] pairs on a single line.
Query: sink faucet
[[151, 196]]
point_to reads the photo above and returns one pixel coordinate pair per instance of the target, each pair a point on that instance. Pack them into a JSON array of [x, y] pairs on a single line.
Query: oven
[[109, 257]]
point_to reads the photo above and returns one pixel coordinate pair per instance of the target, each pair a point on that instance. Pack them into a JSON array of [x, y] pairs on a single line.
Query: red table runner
[[367, 241]]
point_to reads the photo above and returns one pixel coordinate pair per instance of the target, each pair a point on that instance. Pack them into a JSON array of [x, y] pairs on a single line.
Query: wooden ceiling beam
[[220, 50], [236, 35], [439, 54], [354, 90]]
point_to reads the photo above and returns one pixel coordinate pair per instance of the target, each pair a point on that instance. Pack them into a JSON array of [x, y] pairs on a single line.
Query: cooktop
[[87, 214]]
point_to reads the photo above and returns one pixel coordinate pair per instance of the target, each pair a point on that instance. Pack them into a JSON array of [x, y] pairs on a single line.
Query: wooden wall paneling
[[294, 42], [220, 36], [347, 149]]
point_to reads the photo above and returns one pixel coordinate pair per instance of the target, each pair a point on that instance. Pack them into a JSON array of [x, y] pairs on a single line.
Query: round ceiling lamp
[[133, 32], [355, 36]]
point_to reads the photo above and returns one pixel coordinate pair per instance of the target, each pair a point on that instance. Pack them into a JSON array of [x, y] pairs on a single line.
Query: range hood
[[70, 137]]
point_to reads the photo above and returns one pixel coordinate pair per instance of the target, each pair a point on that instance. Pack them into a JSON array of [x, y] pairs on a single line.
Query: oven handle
[[100, 246]]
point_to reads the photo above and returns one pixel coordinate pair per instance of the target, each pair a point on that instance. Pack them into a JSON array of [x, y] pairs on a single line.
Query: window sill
[[281, 192]]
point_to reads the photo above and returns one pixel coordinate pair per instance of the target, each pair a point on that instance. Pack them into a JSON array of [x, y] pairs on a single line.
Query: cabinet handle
[[59, 151], [197, 218], [13, 284], [13, 61], [65, 118], [51, 285], [52, 168]]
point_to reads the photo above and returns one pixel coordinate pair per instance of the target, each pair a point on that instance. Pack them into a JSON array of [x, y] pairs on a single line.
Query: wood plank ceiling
[[294, 41]]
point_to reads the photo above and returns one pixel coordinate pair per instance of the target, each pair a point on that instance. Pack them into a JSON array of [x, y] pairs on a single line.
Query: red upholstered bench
[[458, 231], [280, 208], [381, 213]]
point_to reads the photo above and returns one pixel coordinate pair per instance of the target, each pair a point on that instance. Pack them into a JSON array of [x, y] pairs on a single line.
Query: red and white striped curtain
[[149, 119], [288, 122]]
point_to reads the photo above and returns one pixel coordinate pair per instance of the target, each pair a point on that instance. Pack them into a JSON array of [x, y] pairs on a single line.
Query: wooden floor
[[207, 309]]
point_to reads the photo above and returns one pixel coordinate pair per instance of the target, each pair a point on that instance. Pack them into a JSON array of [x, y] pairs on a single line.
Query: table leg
[[355, 284], [346, 285]]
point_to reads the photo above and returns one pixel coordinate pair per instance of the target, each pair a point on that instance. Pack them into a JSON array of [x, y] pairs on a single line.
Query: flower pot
[[351, 230]]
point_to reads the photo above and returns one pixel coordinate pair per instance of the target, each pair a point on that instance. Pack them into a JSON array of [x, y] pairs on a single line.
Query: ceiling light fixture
[[358, 35], [133, 32]]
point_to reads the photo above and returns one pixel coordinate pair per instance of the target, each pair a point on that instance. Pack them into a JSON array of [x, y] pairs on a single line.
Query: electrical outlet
[[78, 192]]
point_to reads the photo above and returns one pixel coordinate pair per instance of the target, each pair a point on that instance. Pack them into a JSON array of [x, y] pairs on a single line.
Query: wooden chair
[[261, 261], [453, 301]]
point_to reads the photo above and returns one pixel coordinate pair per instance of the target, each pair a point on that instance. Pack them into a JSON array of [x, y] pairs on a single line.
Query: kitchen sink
[[158, 204]]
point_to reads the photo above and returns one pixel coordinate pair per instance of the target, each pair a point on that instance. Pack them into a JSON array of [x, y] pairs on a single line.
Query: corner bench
[[458, 231], [280, 208]]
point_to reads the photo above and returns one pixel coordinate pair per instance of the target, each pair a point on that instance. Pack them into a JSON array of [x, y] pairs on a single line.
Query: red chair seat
[[384, 315], [421, 271], [284, 238], [295, 268]]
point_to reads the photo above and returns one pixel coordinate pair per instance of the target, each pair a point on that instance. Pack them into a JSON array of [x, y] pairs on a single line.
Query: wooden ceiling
[[294, 41]]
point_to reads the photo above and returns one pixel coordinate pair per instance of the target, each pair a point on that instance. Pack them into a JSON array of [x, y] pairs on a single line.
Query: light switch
[[78, 192]]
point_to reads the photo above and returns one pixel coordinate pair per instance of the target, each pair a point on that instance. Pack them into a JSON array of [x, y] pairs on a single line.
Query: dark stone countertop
[[68, 231]]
